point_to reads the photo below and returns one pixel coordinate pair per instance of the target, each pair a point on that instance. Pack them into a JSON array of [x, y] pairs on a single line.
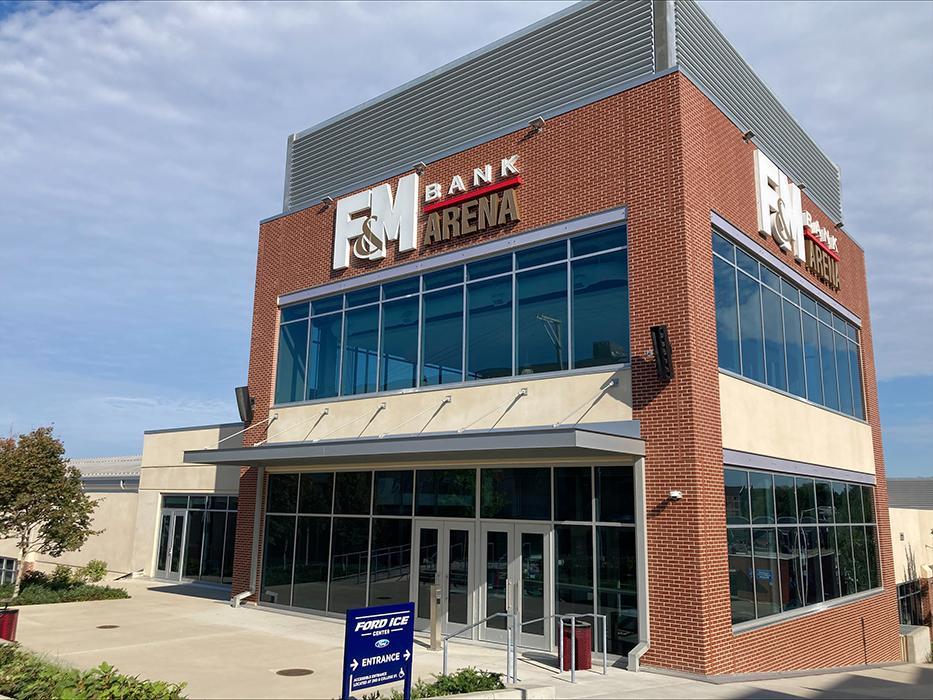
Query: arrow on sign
[[407, 655], [354, 665]]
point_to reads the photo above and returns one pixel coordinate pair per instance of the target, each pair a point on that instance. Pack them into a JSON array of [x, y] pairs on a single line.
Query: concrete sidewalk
[[178, 632]]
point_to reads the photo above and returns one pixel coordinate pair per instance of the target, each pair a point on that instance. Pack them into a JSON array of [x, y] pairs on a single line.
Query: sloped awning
[[581, 441]]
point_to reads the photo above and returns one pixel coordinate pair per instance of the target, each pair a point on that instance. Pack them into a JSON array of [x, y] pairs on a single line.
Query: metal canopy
[[539, 442]]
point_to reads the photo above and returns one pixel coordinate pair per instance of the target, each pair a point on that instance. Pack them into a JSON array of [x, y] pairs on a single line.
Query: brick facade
[[667, 153]]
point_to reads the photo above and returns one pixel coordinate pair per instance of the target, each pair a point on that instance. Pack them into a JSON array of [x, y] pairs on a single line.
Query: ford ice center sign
[[377, 647]]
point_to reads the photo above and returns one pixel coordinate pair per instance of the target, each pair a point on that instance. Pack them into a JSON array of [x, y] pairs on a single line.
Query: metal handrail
[[573, 646], [509, 648]]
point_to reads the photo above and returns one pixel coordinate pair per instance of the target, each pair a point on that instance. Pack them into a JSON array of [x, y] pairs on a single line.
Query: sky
[[141, 143]]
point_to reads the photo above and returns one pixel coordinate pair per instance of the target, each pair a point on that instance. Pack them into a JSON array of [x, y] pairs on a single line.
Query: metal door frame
[[444, 528], [170, 554], [514, 531]]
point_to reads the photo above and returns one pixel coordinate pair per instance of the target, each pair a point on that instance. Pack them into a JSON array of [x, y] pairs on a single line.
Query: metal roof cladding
[[582, 54]]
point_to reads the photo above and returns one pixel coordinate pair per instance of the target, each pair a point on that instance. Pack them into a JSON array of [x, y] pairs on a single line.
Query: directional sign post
[[377, 647]]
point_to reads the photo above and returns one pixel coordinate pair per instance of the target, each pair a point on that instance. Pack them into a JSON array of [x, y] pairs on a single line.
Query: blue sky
[[141, 143]]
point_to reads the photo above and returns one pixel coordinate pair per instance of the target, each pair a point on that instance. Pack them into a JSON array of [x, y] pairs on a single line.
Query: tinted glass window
[[600, 310], [573, 493], [392, 290], [352, 493], [736, 497], [746, 262], [574, 568], [727, 316], [282, 495], [442, 351], [724, 248], [294, 312], [327, 304], [824, 502], [362, 296], [315, 493], [602, 240], [741, 575], [393, 493], [767, 574], [277, 559], [785, 499], [855, 377], [752, 339], [292, 362], [311, 558], [489, 267], [856, 512], [390, 561], [762, 498], [489, 329], [615, 495], [349, 556], [617, 586], [806, 501], [324, 372], [541, 254], [791, 580], [793, 337], [812, 362], [445, 493], [841, 502], [399, 359], [443, 278], [361, 348], [523, 494], [541, 320], [828, 358]]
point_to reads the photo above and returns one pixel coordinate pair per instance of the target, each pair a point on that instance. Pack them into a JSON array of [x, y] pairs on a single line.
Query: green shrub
[[93, 571], [34, 578], [61, 577], [40, 595], [25, 676], [466, 680]]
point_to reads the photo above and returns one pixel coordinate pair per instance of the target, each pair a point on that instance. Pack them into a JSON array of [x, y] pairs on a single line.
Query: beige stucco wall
[[115, 514], [915, 550], [163, 471], [585, 397], [766, 422]]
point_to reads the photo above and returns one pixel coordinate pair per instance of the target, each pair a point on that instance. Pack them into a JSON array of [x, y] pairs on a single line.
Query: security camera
[[676, 495]]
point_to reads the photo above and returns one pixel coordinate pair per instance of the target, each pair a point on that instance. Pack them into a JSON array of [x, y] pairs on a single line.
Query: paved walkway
[[190, 633]]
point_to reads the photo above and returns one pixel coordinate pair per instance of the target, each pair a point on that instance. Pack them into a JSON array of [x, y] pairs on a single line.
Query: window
[[546, 308], [770, 332], [522, 493], [910, 602], [7, 571], [795, 542], [445, 493]]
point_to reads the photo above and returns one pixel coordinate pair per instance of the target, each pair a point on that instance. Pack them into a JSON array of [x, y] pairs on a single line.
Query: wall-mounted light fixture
[[676, 495], [537, 124], [420, 167], [748, 136], [327, 200], [801, 186], [839, 224]]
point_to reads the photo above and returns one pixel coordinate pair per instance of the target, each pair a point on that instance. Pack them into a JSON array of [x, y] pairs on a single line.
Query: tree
[[42, 505]]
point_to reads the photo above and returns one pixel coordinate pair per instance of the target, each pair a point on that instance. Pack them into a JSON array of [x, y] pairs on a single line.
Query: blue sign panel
[[377, 647]]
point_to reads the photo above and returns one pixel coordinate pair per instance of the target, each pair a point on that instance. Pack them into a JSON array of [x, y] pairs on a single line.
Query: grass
[[26, 676]]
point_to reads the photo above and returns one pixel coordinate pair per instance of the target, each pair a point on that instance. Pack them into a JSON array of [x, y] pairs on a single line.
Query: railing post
[[604, 644], [435, 617], [445, 658], [573, 649], [560, 647]]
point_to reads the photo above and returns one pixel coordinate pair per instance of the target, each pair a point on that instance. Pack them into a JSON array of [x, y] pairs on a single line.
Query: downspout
[[641, 567]]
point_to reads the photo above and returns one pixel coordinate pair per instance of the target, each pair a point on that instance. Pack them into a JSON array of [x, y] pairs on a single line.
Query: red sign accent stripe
[[473, 194], [816, 239]]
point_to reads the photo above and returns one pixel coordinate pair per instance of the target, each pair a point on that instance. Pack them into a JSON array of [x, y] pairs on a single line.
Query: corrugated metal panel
[[910, 493], [567, 58], [708, 59]]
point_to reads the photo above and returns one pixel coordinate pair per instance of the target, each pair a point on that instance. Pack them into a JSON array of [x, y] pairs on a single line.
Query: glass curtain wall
[[210, 537], [797, 541], [349, 545], [547, 308], [770, 331]]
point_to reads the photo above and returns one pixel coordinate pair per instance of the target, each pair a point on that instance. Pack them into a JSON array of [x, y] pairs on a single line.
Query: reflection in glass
[[727, 316], [427, 570], [163, 541], [213, 550], [497, 574], [458, 577], [229, 543], [574, 568], [847, 573], [856, 511], [762, 486], [806, 501], [841, 502], [810, 563], [446, 493], [315, 492], [292, 359], [573, 493], [324, 360], [393, 492], [532, 583], [277, 557], [360, 350], [736, 484], [442, 337], [541, 320], [741, 581], [767, 574], [282, 493], [862, 576], [752, 341], [352, 491], [390, 561], [615, 495], [775, 367], [811, 353], [489, 329], [791, 574], [178, 532], [521, 493], [829, 563], [796, 380], [349, 555], [828, 357], [855, 376], [618, 594], [312, 553], [785, 499], [600, 310], [824, 502], [399, 358]]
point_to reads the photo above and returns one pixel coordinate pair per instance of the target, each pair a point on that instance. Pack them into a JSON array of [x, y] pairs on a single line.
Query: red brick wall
[[667, 153]]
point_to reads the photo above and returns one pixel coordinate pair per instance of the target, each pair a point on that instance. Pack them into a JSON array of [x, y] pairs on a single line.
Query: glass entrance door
[[444, 552], [516, 575], [171, 539]]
